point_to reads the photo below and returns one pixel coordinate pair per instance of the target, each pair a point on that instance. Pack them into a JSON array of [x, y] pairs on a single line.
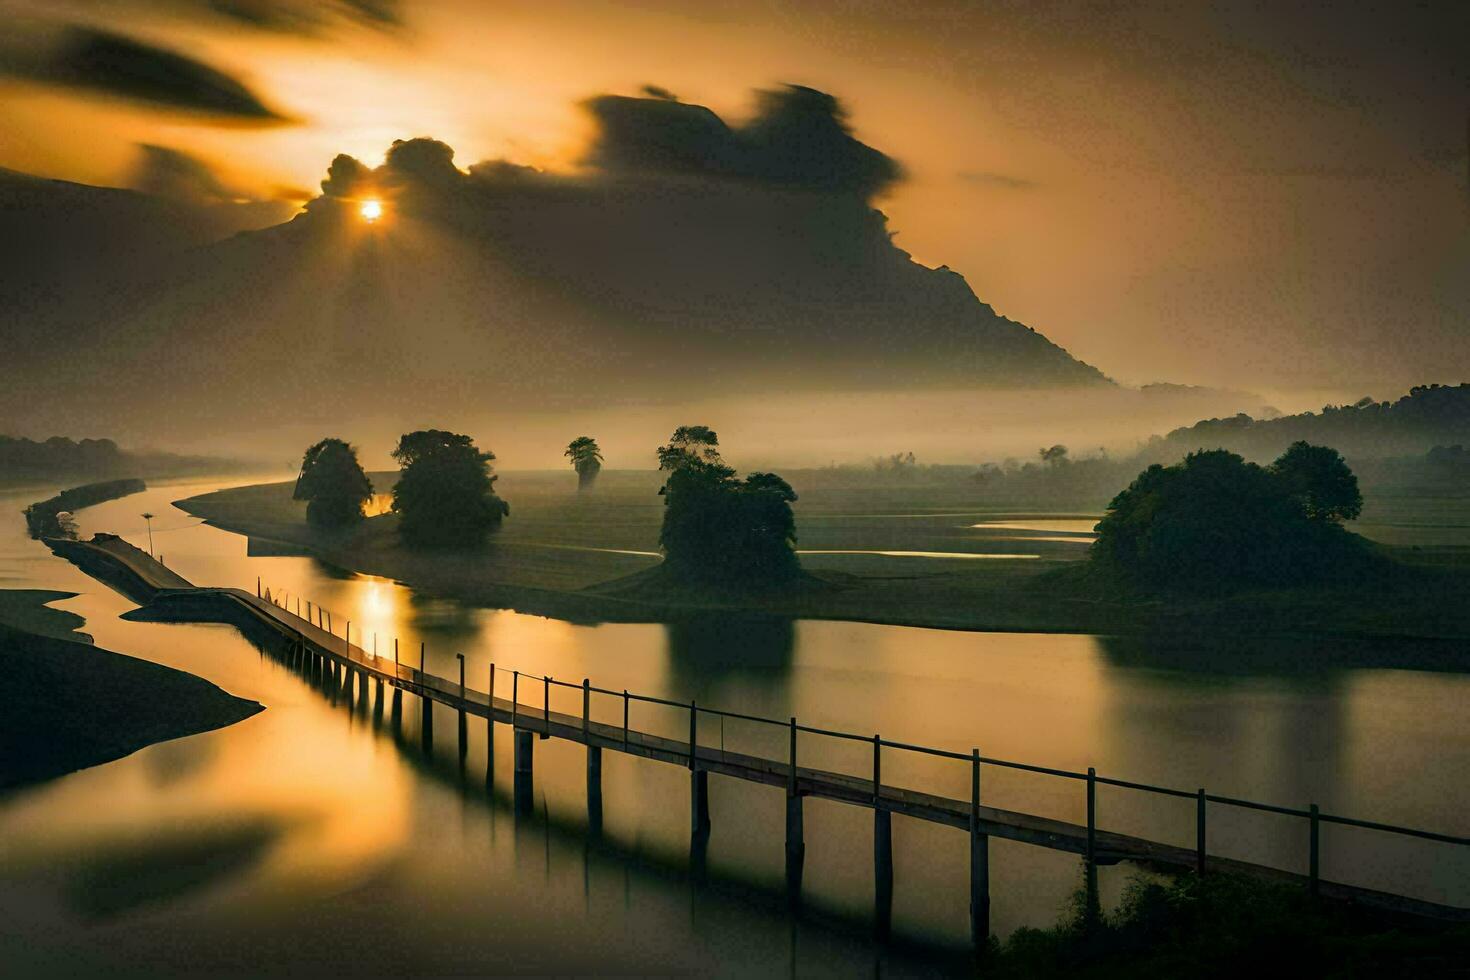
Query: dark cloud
[[101, 61], [798, 137], [989, 179], [346, 177], [307, 17], [422, 160]]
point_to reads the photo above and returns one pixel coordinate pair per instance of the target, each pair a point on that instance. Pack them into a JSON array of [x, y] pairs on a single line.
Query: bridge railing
[[1312, 814]]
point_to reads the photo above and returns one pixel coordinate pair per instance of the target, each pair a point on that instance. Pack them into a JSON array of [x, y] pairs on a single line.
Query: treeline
[[1428, 416], [45, 519], [718, 530], [59, 458]]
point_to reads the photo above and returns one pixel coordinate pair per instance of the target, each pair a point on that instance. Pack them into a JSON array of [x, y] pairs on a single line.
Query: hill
[[687, 256], [1426, 417]]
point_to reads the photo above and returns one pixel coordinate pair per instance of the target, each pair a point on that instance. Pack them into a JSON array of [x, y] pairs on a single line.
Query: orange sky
[[1224, 194]]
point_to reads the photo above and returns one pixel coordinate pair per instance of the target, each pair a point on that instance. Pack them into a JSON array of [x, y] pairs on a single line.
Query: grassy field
[[580, 558]]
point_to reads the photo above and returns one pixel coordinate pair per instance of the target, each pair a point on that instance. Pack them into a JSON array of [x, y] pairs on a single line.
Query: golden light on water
[[371, 210]]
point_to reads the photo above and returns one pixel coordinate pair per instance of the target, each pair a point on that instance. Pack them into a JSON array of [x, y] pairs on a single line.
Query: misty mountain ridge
[[689, 257], [1427, 417]]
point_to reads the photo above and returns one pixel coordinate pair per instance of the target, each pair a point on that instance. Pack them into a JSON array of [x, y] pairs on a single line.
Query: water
[[302, 838]]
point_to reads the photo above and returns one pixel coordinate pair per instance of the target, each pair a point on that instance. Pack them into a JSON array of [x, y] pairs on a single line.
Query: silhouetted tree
[[719, 529], [696, 441], [1053, 454], [446, 493], [586, 457], [1319, 478], [1216, 523], [333, 484]]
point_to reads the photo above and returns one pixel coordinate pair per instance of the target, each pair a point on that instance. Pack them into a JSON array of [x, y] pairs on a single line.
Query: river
[[305, 839]]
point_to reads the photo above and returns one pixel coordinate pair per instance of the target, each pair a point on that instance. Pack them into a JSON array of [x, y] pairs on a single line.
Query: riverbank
[[43, 518], [591, 560], [67, 705]]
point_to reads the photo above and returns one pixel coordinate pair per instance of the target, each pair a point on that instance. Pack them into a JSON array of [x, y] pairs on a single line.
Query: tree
[[1215, 523], [586, 457], [333, 484], [445, 495], [693, 441], [1053, 455], [1320, 480], [718, 529]]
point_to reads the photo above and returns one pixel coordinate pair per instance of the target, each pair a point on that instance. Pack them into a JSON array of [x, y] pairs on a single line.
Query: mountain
[[686, 257]]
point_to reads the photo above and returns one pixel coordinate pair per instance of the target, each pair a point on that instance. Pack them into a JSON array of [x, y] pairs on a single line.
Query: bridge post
[[587, 711], [427, 719], [795, 839], [795, 843], [515, 698], [524, 802], [594, 789], [1199, 832], [490, 734], [1093, 910], [699, 802], [461, 673], [693, 734], [546, 706], [882, 844], [1313, 849], [979, 861]]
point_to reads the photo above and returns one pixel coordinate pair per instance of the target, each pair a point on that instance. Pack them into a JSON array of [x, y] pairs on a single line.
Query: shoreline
[[69, 705], [590, 586]]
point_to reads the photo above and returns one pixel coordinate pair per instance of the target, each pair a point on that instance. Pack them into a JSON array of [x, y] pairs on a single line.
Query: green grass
[[546, 560]]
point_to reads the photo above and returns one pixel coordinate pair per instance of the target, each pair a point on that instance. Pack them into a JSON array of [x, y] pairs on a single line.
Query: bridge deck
[[1110, 847]]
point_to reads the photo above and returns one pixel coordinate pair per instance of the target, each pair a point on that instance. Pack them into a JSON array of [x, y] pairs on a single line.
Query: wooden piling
[[699, 802], [979, 861], [1314, 847], [523, 750], [882, 856], [795, 837], [1199, 832]]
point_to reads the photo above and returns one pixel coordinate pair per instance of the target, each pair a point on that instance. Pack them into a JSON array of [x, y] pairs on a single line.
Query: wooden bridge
[[307, 641]]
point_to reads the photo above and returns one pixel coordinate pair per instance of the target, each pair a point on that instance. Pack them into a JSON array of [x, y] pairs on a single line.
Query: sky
[[1263, 195]]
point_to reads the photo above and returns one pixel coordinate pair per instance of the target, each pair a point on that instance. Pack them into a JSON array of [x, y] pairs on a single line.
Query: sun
[[371, 210]]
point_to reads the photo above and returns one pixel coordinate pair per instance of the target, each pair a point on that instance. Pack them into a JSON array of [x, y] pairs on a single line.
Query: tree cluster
[[718, 529], [1214, 523], [445, 496], [333, 484]]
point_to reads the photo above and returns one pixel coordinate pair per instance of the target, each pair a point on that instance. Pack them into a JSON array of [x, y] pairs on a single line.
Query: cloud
[[102, 61], [989, 179], [798, 137], [305, 17]]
